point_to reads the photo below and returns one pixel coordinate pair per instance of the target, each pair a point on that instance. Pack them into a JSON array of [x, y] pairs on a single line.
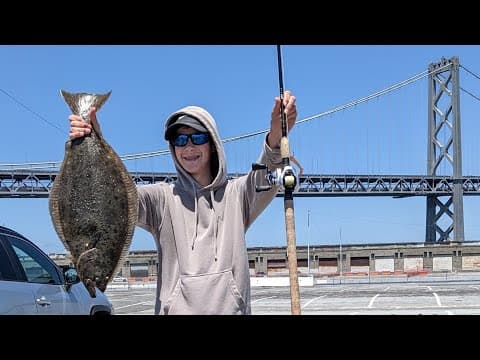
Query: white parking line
[[268, 297], [370, 304], [122, 296], [310, 301], [140, 303], [142, 312], [437, 298]]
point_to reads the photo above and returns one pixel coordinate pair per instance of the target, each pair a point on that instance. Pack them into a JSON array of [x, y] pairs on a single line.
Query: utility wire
[[33, 112]]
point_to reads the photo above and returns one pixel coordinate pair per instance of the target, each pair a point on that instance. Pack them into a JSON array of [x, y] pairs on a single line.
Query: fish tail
[[80, 103]]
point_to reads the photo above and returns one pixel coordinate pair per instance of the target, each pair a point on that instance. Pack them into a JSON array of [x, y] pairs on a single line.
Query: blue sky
[[237, 84]]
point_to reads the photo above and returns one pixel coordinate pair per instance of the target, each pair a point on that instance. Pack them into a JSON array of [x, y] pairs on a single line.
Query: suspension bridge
[[443, 183]]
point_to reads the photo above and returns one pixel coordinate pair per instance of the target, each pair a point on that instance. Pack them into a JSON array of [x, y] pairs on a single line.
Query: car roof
[[8, 231], [5, 230]]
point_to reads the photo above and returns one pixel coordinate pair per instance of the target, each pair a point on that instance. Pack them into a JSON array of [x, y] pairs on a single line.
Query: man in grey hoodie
[[199, 221]]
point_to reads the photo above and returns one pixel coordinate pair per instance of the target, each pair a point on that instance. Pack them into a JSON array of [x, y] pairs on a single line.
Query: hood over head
[[201, 120], [183, 120]]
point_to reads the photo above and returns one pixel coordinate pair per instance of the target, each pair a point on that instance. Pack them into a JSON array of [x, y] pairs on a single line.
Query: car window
[[38, 269], [6, 269]]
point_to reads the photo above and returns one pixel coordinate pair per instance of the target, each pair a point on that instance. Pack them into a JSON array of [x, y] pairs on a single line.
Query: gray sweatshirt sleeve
[[151, 204], [255, 202]]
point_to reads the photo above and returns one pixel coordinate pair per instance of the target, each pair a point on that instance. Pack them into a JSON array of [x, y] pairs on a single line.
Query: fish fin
[[132, 197], [55, 211]]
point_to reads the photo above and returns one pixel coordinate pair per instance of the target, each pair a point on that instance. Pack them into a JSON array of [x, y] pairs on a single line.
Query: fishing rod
[[287, 178], [289, 183]]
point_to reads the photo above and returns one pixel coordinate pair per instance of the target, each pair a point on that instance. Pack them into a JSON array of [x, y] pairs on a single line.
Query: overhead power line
[[33, 112]]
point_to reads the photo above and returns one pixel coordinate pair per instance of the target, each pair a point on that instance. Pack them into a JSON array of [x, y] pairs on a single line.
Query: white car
[[32, 284]]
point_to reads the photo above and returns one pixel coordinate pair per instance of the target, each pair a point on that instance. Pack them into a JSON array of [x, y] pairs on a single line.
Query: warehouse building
[[332, 260]]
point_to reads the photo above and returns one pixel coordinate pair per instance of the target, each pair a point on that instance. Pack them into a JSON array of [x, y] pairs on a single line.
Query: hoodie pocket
[[206, 294]]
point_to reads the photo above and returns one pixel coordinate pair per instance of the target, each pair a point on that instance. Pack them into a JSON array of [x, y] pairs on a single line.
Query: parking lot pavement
[[426, 298]]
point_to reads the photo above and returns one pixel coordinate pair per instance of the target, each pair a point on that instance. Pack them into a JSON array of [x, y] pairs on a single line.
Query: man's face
[[195, 159]]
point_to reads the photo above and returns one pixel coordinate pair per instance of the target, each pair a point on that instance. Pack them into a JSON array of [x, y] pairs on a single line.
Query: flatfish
[[93, 201]]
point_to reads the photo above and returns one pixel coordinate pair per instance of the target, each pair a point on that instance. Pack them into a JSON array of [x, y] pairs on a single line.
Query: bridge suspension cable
[[56, 164]]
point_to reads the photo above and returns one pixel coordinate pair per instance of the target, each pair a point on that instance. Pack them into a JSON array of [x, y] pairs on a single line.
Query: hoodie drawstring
[[214, 219], [196, 219], [215, 223]]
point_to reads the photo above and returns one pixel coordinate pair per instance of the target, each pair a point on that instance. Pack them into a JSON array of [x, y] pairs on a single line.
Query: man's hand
[[275, 133], [80, 128]]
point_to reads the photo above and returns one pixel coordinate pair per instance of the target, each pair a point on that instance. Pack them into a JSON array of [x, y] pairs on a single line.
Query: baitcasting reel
[[285, 177]]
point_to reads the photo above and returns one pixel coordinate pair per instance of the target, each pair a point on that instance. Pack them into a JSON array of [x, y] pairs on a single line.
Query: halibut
[[93, 201]]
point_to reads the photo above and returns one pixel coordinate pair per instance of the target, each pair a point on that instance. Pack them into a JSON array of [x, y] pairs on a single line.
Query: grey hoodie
[[200, 232]]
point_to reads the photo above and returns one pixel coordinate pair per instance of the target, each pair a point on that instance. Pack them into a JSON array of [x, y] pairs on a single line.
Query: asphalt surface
[[415, 298]]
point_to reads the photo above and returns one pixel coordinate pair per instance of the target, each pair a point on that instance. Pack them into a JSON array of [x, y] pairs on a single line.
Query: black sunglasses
[[200, 138]]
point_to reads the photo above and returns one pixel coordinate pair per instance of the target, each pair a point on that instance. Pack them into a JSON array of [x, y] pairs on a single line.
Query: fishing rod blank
[[289, 182]]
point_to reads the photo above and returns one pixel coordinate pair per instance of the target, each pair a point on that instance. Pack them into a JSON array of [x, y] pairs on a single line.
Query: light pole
[[341, 258], [308, 241]]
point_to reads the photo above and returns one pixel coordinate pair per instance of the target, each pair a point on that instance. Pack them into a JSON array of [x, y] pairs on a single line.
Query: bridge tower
[[444, 218]]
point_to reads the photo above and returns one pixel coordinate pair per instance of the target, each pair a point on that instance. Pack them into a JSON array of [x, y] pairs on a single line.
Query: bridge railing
[[36, 183]]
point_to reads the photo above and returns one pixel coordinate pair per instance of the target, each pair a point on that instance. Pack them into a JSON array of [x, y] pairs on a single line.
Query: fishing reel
[[285, 177]]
